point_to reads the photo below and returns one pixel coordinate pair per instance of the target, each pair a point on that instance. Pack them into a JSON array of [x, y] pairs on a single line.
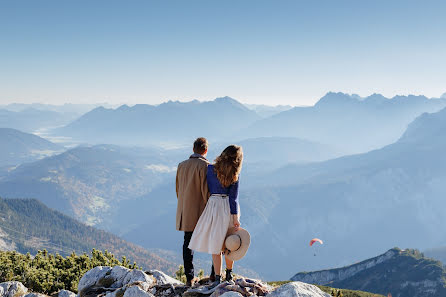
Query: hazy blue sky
[[271, 52]]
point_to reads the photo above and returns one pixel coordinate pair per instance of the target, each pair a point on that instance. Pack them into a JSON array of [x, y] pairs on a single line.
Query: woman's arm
[[233, 204], [233, 198]]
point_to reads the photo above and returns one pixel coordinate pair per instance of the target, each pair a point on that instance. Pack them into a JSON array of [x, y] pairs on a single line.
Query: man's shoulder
[[199, 161]]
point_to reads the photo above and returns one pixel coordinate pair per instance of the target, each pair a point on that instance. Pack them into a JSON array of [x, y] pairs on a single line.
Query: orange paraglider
[[315, 240]]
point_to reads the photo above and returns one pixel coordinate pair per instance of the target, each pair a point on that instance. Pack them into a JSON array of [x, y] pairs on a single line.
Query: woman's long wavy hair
[[228, 165]]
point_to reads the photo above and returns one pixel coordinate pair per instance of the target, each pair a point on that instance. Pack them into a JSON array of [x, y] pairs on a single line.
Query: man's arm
[[176, 183], [204, 184]]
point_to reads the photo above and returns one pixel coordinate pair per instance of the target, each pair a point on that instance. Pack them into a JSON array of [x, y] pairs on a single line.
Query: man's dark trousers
[[188, 257]]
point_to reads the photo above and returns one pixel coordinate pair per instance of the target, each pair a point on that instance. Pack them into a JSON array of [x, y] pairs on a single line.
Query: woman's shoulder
[[211, 169]]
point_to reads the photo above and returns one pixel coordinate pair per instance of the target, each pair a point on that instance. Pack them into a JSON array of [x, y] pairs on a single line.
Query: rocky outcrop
[[243, 286], [162, 278], [17, 289], [406, 273], [12, 289], [335, 275], [298, 289], [111, 282], [118, 281], [66, 293]]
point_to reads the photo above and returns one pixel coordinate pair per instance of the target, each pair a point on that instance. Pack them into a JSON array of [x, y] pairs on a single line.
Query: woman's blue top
[[215, 187]]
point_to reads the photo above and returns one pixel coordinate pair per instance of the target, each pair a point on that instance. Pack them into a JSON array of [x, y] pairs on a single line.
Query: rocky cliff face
[[403, 273], [336, 275]]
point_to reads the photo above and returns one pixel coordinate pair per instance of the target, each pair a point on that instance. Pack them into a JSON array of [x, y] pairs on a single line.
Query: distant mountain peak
[[332, 98], [376, 98], [426, 128], [227, 99], [230, 101], [123, 107]]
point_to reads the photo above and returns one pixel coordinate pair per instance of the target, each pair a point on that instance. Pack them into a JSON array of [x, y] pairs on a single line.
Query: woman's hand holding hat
[[236, 222]]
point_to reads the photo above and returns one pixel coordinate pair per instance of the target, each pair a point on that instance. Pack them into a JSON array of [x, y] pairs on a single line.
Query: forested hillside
[[27, 225]]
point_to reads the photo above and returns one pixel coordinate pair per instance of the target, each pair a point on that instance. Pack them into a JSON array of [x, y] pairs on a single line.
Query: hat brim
[[245, 242]]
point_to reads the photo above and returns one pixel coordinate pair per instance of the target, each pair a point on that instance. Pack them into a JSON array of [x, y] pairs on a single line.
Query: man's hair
[[200, 145]]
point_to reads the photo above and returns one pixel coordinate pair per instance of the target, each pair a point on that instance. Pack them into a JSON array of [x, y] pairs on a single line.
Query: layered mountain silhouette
[[167, 123], [358, 204], [88, 182], [31, 119], [17, 147], [398, 272], [347, 121], [266, 111]]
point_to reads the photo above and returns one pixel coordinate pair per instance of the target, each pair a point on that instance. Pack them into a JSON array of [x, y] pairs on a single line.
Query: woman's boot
[[216, 282], [229, 275]]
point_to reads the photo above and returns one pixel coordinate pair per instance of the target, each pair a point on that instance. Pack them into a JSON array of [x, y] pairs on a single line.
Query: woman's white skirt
[[210, 231]]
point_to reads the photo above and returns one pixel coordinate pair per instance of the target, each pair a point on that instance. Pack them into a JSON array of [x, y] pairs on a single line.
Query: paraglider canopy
[[315, 240]]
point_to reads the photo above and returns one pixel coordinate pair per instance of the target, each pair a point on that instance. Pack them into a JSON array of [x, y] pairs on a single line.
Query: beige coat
[[192, 192]]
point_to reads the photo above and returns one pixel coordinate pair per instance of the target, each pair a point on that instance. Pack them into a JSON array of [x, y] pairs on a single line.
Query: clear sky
[[266, 52]]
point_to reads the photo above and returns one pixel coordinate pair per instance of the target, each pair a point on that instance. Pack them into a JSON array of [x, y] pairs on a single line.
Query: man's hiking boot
[[212, 276], [229, 275], [191, 282]]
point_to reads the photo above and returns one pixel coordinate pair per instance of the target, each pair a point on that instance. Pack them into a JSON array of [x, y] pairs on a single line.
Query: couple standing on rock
[[208, 211]]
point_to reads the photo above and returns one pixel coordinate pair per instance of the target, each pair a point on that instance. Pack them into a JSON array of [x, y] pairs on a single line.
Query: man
[[192, 194]]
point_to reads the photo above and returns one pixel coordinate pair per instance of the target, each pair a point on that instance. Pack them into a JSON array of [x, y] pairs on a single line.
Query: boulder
[[113, 282], [162, 278], [298, 289], [66, 293], [136, 291], [91, 278], [116, 276], [35, 295], [12, 289], [231, 294], [138, 276]]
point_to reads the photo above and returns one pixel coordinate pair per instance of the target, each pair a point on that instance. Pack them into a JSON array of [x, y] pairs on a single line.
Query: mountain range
[[17, 147], [31, 120], [266, 111], [397, 272], [170, 123], [87, 182], [357, 204], [348, 122]]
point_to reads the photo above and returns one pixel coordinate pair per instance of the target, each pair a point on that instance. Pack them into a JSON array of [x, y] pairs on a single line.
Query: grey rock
[[35, 295], [66, 293], [231, 294], [136, 291], [12, 289], [91, 277], [163, 279], [117, 275], [138, 276], [298, 289]]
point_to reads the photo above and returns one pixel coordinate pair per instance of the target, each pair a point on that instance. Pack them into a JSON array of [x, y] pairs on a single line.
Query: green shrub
[[48, 273]]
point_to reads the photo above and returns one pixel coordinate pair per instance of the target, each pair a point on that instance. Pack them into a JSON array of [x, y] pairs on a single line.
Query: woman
[[222, 209]]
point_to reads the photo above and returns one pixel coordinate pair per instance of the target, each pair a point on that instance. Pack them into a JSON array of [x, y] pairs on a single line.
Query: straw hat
[[236, 244]]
